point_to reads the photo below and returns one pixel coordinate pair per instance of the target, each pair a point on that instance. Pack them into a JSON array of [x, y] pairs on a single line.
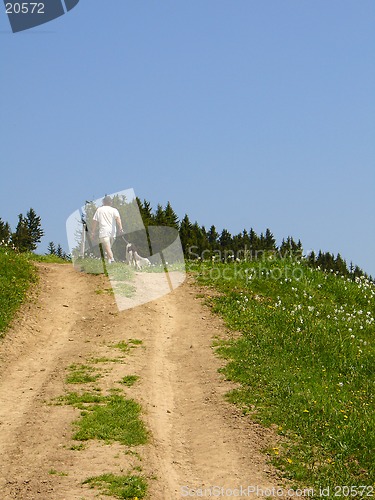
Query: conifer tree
[[225, 240], [59, 252], [245, 238], [311, 259], [290, 247], [237, 243], [254, 240], [186, 235], [28, 232], [51, 248], [21, 236], [269, 241], [213, 238], [146, 212], [199, 237], [170, 217], [159, 217], [5, 232], [205, 242], [34, 227], [340, 265]]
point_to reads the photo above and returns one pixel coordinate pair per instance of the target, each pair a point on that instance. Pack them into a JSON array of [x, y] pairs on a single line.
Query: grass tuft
[[130, 486], [81, 374], [122, 345], [115, 420], [129, 380], [109, 418]]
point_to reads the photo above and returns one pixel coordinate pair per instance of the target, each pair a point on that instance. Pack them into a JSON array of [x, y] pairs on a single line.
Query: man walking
[[107, 218]]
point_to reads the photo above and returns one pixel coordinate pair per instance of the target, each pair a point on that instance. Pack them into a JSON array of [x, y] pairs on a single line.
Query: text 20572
[[25, 8]]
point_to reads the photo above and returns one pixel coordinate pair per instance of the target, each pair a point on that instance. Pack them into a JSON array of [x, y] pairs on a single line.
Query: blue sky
[[241, 113]]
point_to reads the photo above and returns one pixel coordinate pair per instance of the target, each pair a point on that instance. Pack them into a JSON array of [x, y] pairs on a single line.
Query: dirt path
[[197, 440]]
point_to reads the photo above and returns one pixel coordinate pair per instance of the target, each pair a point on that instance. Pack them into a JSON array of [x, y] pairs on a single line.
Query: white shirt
[[106, 218]]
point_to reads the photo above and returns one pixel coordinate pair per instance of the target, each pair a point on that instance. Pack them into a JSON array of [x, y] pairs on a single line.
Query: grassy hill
[[17, 273], [304, 362]]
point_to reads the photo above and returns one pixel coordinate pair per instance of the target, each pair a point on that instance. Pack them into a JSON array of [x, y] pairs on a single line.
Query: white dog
[[134, 259]]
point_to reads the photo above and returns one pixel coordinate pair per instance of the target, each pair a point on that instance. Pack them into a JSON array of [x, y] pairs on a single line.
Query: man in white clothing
[[107, 218]]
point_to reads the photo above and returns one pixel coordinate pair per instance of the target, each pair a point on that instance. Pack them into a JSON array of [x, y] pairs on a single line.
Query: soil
[[197, 440]]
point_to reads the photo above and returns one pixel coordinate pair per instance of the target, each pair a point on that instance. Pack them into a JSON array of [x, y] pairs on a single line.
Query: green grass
[[304, 361], [135, 341], [57, 473], [77, 447], [81, 374], [129, 380], [124, 289], [101, 291], [104, 359], [115, 420], [109, 418], [126, 346], [16, 275], [122, 345], [90, 266], [118, 271], [83, 401], [48, 259], [129, 486]]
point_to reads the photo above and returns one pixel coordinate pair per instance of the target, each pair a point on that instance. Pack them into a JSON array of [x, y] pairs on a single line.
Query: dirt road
[[197, 440]]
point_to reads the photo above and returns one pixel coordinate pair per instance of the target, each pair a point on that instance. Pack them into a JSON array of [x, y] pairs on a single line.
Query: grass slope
[[304, 361], [16, 275]]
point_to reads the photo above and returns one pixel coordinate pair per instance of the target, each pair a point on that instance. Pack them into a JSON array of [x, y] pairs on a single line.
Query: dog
[[134, 259]]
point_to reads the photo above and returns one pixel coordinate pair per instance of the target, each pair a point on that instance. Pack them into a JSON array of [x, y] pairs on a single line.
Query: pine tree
[[245, 239], [340, 265], [269, 241], [225, 240], [51, 248], [253, 240], [28, 232], [21, 237], [170, 216], [5, 232], [213, 238], [146, 212], [186, 235], [311, 259], [199, 237], [34, 227], [205, 242], [290, 248], [59, 252], [159, 217]]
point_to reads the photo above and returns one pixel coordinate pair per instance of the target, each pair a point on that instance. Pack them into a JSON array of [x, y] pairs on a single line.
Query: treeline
[[198, 242], [52, 249], [27, 235]]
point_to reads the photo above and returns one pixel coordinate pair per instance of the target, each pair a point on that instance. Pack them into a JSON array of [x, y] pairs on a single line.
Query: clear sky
[[241, 113]]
